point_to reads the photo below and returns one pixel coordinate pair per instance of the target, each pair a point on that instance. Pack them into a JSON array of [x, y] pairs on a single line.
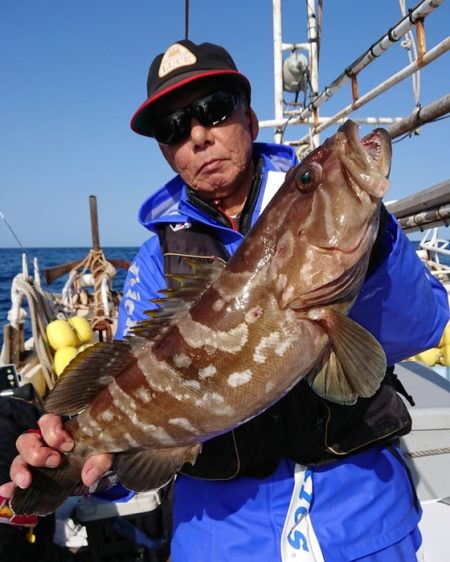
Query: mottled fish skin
[[274, 315]]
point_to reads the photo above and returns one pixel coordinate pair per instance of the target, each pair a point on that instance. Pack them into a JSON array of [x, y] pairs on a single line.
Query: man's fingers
[[7, 491], [95, 467], [19, 472], [53, 433], [33, 451]]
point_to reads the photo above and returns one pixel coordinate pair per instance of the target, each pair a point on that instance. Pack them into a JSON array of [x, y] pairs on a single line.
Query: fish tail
[[50, 487]]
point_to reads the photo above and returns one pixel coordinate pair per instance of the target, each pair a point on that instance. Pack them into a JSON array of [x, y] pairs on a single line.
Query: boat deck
[[428, 453]]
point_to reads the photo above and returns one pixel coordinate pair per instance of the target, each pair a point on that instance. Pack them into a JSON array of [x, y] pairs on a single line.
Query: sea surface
[[11, 265]]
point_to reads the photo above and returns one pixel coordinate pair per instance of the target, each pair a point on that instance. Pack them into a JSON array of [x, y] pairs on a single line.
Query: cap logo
[[175, 57]]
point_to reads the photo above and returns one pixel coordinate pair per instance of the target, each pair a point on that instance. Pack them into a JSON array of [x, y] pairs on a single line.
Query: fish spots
[[106, 416], [197, 334], [266, 345], [162, 436], [144, 395], [218, 305], [192, 385], [130, 440], [122, 400], [181, 360], [216, 403], [276, 343], [270, 385], [253, 314], [240, 378], [183, 423], [207, 372]]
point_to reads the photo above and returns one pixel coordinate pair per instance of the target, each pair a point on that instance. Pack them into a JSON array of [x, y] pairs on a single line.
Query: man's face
[[215, 161]]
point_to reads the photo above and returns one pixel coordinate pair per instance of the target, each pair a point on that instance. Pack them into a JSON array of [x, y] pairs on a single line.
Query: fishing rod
[[10, 228]]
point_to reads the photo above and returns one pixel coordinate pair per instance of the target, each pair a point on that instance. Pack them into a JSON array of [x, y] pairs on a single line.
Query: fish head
[[331, 219], [341, 184]]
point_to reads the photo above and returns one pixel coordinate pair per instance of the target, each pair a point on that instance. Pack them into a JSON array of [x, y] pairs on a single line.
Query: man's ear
[[253, 122]]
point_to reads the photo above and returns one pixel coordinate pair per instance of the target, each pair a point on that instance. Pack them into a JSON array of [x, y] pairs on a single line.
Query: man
[[274, 489]]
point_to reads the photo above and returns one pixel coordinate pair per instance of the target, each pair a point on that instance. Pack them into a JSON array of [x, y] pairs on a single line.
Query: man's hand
[[37, 450]]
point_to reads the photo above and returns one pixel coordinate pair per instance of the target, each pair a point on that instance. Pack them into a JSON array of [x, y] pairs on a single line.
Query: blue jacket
[[403, 306]]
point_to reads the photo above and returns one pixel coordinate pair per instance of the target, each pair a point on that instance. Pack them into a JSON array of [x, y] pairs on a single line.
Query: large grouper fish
[[276, 313]]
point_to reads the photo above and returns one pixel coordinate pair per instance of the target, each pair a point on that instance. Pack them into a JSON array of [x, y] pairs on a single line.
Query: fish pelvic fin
[[49, 489], [149, 469], [356, 364], [87, 375]]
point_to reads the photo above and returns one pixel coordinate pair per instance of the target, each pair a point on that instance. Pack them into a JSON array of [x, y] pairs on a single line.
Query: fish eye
[[308, 177]]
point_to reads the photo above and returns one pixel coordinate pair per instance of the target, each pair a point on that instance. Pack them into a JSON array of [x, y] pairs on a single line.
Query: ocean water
[[11, 265]]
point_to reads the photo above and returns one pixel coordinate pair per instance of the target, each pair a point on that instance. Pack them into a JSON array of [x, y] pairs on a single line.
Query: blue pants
[[362, 508]]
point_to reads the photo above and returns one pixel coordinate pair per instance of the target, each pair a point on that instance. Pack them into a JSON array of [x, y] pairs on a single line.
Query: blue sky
[[73, 73]]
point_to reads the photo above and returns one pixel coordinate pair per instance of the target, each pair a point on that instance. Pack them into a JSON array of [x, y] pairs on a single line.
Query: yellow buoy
[[445, 355], [63, 357], [430, 357], [82, 328], [60, 334], [445, 339]]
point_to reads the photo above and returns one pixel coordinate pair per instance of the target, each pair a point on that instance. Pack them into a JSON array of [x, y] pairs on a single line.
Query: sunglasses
[[208, 110]]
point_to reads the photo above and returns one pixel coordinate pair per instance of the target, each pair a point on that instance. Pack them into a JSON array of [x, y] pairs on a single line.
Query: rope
[[102, 273], [428, 452], [409, 44], [39, 311]]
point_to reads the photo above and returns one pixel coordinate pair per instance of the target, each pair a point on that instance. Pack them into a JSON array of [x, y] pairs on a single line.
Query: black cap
[[182, 63]]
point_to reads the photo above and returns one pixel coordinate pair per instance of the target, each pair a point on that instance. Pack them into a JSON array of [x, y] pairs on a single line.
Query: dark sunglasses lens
[[172, 128], [209, 111], [215, 108]]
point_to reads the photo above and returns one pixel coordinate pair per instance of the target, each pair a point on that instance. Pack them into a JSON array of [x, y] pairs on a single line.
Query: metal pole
[[278, 66], [313, 61], [421, 116], [94, 222], [429, 57], [377, 49], [309, 120]]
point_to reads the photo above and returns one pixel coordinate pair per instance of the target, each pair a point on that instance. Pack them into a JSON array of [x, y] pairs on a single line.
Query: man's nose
[[200, 134]]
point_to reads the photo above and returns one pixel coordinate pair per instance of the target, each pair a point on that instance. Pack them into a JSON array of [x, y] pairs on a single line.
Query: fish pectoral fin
[[149, 469], [87, 375], [356, 364], [50, 488]]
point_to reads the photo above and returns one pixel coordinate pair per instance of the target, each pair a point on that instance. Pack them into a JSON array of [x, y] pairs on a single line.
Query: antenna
[[186, 19]]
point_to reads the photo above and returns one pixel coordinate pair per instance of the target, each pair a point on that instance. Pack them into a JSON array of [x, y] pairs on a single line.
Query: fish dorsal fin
[[184, 289], [149, 469], [86, 375], [356, 364]]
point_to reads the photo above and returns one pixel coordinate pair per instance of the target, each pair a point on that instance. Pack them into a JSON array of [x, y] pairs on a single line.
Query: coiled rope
[[40, 314]]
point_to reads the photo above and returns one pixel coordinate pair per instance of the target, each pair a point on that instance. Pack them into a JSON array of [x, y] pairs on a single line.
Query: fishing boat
[[28, 363]]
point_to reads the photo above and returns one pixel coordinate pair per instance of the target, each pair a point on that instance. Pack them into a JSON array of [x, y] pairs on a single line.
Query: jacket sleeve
[[400, 302], [144, 279]]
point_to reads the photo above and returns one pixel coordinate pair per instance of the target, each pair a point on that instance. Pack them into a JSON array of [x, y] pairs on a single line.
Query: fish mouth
[[367, 160], [378, 146], [374, 150]]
